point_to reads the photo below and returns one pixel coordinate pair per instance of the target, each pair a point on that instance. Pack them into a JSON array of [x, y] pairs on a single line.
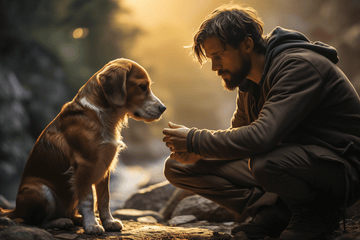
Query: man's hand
[[175, 137], [185, 157]]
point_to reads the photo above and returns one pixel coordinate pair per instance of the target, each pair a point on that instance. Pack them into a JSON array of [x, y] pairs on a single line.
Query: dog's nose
[[162, 108]]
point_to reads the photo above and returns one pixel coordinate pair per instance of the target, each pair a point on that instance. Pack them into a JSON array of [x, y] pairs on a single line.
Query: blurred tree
[[52, 23]]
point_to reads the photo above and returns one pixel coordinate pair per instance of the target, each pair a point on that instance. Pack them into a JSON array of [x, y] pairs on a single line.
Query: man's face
[[232, 64]]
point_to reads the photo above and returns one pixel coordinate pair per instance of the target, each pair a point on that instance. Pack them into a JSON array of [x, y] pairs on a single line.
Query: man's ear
[[249, 44], [112, 80]]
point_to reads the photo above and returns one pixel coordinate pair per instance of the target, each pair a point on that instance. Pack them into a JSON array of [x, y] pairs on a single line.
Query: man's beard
[[238, 78]]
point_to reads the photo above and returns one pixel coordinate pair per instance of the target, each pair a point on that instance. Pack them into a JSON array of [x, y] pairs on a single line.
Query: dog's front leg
[[103, 199], [86, 209]]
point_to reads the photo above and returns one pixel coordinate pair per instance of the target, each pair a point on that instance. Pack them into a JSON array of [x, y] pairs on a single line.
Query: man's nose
[[215, 66]]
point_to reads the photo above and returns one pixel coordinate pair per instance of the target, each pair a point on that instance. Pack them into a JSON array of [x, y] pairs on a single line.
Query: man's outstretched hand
[[175, 137]]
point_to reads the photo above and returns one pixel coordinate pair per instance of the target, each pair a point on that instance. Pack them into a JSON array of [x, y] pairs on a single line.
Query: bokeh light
[[80, 33]]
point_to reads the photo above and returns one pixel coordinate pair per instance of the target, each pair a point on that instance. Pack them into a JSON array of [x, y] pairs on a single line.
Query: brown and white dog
[[78, 149]]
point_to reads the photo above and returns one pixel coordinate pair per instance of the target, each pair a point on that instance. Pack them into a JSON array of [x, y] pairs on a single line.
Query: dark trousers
[[287, 172]]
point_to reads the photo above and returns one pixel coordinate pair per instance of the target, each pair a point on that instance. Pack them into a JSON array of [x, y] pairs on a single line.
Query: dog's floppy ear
[[112, 80]]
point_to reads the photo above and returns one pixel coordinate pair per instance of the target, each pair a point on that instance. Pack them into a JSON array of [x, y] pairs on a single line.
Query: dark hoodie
[[281, 39], [302, 98]]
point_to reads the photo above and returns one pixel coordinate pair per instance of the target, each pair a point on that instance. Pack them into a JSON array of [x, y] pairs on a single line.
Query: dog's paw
[[94, 229], [113, 225], [61, 223], [64, 223]]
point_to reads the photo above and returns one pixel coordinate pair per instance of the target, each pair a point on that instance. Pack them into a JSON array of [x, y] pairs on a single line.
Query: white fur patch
[[107, 135], [87, 104], [86, 208], [48, 195]]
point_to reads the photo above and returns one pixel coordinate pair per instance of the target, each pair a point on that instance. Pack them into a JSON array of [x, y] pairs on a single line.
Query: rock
[[147, 219], [4, 221], [220, 236], [152, 198], [178, 220], [176, 197], [4, 203], [354, 210], [68, 236], [33, 91], [348, 237], [203, 209], [240, 236], [11, 87], [25, 233], [224, 227], [134, 214], [15, 142]]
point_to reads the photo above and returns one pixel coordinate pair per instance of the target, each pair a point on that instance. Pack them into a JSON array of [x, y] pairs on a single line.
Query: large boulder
[[135, 214], [174, 200], [16, 141], [33, 91], [152, 198], [25, 233], [204, 209]]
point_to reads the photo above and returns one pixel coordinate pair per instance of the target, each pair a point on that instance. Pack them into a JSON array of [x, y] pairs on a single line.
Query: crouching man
[[291, 158]]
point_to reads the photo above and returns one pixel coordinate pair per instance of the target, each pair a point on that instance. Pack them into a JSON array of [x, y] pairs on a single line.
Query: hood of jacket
[[281, 39]]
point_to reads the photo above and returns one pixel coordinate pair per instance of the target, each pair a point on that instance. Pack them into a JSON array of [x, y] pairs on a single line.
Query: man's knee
[[169, 170], [259, 167], [271, 168], [266, 169]]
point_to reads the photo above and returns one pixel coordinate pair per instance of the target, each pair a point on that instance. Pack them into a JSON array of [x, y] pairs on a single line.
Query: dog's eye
[[143, 87]]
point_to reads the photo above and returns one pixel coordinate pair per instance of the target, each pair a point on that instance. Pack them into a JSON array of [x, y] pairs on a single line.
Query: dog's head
[[126, 85]]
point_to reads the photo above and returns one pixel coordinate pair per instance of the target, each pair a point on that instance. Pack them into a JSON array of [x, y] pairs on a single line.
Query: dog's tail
[[32, 214]]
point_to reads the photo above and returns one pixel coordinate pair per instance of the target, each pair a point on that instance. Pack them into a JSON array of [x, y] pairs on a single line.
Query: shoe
[[270, 221], [310, 223]]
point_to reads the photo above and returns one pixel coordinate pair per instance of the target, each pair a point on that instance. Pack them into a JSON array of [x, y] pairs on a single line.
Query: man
[[291, 158]]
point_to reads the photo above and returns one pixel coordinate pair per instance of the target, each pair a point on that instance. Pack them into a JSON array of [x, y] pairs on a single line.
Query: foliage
[[52, 23]]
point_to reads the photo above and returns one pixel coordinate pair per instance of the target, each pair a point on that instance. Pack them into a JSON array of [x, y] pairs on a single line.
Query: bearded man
[[291, 158]]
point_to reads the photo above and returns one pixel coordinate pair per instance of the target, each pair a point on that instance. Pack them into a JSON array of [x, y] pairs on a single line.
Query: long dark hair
[[230, 23]]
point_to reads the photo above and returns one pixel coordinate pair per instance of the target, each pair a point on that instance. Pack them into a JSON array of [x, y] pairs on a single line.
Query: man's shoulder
[[299, 53], [303, 56]]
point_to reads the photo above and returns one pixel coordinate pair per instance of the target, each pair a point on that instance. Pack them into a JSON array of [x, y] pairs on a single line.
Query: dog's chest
[[111, 136], [110, 133]]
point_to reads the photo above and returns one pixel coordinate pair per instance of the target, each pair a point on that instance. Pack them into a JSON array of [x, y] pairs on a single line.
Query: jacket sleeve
[[294, 86]]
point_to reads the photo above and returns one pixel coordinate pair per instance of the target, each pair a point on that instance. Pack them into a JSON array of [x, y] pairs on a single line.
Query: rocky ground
[[134, 230], [163, 212]]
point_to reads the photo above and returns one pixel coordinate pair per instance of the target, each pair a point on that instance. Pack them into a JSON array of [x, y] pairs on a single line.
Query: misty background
[[50, 48]]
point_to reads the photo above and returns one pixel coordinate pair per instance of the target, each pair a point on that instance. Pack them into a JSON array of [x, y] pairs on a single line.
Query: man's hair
[[230, 23]]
